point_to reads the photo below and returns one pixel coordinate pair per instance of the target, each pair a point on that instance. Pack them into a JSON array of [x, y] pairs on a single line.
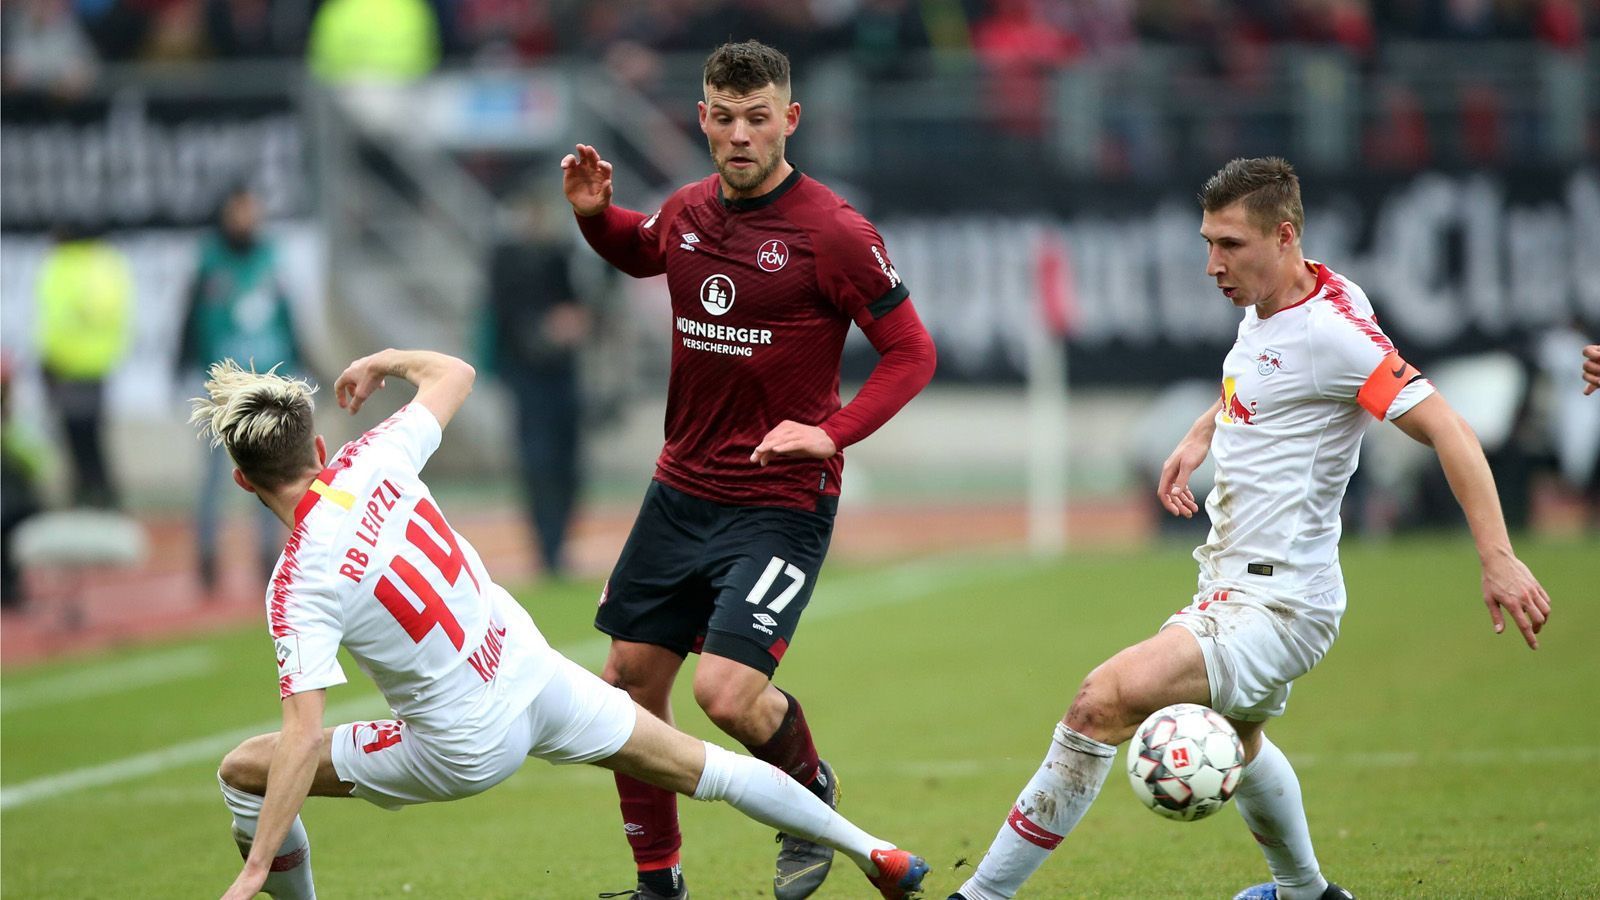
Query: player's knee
[[728, 710], [242, 768], [640, 681], [1097, 711]]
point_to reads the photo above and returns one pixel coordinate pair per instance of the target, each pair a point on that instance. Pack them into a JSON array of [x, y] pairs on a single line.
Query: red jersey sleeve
[[853, 268], [906, 364], [629, 240]]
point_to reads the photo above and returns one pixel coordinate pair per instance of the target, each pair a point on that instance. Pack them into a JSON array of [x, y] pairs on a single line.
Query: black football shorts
[[699, 576]]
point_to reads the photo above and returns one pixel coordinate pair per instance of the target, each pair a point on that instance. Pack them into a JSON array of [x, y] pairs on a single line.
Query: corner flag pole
[[1048, 396]]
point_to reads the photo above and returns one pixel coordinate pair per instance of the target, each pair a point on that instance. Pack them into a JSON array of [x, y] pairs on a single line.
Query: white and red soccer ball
[[1185, 761]]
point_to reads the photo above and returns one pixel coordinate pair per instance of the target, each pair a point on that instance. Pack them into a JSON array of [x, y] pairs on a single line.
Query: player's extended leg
[[649, 813], [1269, 801], [243, 779], [769, 722], [663, 756], [1165, 669]]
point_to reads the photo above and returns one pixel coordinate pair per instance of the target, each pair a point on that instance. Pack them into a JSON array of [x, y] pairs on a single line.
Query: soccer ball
[[1185, 761]]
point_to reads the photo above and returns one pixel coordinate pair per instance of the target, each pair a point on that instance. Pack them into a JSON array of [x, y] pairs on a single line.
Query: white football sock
[[290, 878], [1055, 799], [764, 793], [1269, 802]]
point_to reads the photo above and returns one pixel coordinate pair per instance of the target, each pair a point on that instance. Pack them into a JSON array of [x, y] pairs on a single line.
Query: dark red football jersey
[[763, 294]]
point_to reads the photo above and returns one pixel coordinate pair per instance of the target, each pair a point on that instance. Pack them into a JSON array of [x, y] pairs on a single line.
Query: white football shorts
[[1255, 646], [576, 718]]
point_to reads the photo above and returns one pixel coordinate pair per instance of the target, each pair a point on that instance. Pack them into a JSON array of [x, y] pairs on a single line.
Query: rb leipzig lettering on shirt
[[384, 497]]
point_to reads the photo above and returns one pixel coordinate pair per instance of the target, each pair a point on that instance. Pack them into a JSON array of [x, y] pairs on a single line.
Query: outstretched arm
[[1508, 586], [443, 382], [294, 764], [1173, 490]]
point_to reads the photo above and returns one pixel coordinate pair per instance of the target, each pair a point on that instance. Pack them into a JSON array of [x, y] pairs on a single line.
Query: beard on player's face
[[745, 178]]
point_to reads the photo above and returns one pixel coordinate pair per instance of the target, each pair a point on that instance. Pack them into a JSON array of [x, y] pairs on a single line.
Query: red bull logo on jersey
[[1234, 409], [1268, 361], [772, 256]]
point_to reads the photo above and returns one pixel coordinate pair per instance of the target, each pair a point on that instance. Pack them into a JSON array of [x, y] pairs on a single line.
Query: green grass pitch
[[1437, 759]]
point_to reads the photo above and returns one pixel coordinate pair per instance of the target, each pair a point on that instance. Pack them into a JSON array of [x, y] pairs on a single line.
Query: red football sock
[[790, 748], [650, 818]]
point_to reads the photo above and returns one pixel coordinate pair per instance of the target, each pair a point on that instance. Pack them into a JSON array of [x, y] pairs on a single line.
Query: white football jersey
[[1298, 391], [372, 564]]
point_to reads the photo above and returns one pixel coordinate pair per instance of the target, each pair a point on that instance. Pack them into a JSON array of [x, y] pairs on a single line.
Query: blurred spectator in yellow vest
[[373, 40], [85, 296]]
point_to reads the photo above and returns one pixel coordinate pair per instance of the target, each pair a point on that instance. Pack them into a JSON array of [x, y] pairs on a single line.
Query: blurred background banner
[[150, 156], [1454, 263]]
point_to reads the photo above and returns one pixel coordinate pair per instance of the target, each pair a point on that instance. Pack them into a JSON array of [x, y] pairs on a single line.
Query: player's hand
[[1591, 369], [247, 885], [1509, 589], [586, 179], [359, 380], [793, 440], [1173, 491]]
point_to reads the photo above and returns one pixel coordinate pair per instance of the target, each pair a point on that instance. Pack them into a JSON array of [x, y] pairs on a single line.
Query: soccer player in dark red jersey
[[766, 269]]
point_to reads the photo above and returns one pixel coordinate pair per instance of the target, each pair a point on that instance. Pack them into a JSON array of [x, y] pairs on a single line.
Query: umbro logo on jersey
[[764, 623], [689, 240], [716, 294], [772, 256], [1269, 361]]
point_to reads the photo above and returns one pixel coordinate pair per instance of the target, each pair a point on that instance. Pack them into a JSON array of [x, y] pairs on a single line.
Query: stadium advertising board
[[138, 159], [1453, 263]]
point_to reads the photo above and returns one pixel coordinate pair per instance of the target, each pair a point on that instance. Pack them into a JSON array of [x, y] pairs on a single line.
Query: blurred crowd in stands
[[57, 45]]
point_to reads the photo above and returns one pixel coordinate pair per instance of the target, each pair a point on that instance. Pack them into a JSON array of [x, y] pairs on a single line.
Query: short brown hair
[[1266, 185], [263, 419], [746, 67]]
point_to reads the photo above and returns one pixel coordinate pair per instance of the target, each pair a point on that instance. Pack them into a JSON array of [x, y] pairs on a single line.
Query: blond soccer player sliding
[[373, 565], [1309, 371]]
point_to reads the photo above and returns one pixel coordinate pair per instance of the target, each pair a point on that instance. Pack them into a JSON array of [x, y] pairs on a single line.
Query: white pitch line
[[198, 750], [109, 678], [850, 594]]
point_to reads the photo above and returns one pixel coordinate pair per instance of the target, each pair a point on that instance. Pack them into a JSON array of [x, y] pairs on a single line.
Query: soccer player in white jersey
[[371, 564], [1309, 371]]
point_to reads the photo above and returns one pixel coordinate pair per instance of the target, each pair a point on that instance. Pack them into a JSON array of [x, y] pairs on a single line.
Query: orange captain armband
[[1385, 383]]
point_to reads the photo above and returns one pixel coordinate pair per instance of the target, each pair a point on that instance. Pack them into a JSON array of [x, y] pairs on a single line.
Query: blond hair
[[263, 419]]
